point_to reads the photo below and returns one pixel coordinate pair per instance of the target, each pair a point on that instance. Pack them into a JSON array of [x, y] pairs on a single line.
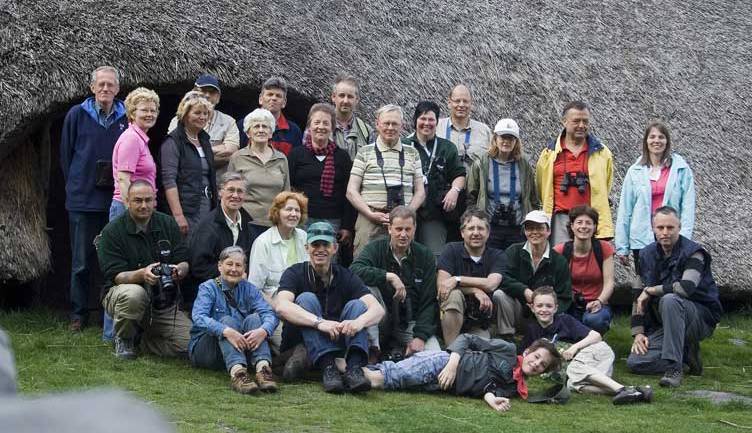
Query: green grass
[[50, 359]]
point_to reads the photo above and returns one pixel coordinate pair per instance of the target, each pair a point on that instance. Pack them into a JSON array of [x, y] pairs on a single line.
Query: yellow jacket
[[600, 176]]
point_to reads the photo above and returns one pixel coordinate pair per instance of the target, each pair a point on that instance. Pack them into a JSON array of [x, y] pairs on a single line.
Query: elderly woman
[[131, 158], [231, 325], [658, 178], [591, 265], [502, 183], [188, 175], [264, 167], [320, 170]]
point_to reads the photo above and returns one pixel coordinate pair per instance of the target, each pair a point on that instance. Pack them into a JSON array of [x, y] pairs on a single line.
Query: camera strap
[[512, 182], [431, 155], [380, 162], [466, 144], [229, 297]]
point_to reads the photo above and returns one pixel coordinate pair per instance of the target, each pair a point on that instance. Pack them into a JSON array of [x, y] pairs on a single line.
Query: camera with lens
[[164, 294], [504, 215], [579, 301], [579, 180], [394, 197]]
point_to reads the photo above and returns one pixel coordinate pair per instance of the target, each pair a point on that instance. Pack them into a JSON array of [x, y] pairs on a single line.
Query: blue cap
[[207, 80], [320, 231]]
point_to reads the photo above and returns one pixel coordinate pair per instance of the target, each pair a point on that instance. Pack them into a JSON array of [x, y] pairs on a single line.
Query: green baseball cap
[[320, 231]]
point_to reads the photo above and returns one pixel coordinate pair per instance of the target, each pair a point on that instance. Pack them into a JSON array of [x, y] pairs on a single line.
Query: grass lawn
[[50, 359]]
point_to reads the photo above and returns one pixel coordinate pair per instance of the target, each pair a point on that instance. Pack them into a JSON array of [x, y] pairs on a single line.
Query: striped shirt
[[366, 167]]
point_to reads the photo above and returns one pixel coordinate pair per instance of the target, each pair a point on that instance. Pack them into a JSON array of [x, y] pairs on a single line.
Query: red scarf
[[327, 175], [519, 377]]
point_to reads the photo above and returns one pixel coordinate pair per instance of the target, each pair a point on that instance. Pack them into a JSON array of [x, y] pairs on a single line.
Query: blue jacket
[[657, 269], [633, 220], [211, 306], [84, 142]]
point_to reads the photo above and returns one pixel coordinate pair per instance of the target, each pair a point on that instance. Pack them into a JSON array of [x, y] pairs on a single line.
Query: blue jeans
[[84, 227], [215, 353], [419, 372], [599, 322], [317, 343], [117, 208]]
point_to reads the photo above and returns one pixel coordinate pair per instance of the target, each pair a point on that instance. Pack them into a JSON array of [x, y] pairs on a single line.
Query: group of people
[[382, 261]]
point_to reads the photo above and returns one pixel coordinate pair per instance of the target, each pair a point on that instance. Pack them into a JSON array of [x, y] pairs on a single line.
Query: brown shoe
[[265, 380], [242, 382], [75, 325]]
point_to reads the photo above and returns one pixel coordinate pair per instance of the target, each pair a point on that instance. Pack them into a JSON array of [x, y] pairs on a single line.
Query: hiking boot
[[630, 394], [332, 380], [296, 364], [693, 358], [356, 380], [672, 378], [265, 379], [124, 348], [241, 382], [76, 325]]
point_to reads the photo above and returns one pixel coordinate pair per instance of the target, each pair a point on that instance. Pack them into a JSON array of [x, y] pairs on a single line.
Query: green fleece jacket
[[418, 274], [552, 271]]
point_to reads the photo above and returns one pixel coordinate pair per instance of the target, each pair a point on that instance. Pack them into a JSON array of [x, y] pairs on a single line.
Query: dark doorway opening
[[235, 101]]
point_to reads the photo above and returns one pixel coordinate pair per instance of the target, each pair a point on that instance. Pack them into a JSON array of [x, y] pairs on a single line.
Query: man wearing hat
[[332, 307], [221, 127], [530, 265]]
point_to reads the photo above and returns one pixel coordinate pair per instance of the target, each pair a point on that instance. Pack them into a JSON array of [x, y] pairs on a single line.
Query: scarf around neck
[[327, 174]]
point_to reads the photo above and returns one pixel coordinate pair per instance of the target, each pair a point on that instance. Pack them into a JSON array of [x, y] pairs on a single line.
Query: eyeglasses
[[238, 191]]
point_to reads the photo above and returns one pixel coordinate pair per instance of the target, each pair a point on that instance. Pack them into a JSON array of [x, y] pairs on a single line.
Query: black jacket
[[210, 238], [485, 366]]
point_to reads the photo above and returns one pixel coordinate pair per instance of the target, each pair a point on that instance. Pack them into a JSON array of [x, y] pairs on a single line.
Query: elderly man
[[443, 179], [470, 136], [225, 226], [469, 274], [351, 132], [401, 274], [143, 257], [677, 308], [221, 127], [575, 169], [530, 265], [332, 307], [385, 174], [90, 131], [287, 133]]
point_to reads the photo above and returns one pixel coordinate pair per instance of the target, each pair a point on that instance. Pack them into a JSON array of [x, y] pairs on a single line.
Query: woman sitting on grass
[[471, 366], [231, 325], [591, 360]]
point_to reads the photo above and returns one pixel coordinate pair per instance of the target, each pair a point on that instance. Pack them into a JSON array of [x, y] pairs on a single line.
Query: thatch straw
[[686, 61]]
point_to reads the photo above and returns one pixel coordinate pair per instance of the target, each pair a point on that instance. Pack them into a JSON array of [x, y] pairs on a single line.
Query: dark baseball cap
[[207, 80]]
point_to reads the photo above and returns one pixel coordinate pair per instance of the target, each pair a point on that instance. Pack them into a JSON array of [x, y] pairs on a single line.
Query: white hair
[[390, 108], [259, 115], [110, 69]]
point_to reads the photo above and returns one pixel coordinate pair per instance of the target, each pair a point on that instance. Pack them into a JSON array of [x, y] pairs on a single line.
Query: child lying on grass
[[590, 359], [471, 366]]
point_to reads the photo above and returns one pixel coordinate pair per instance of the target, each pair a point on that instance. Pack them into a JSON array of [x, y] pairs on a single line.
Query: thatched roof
[[686, 61]]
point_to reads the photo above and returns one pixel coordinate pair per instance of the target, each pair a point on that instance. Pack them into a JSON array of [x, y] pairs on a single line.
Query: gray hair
[[232, 251], [275, 83], [390, 108], [259, 115], [110, 69], [348, 79], [232, 176]]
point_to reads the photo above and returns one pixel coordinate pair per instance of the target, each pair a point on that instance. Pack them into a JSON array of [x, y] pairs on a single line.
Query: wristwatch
[[317, 322], [458, 279], [459, 190]]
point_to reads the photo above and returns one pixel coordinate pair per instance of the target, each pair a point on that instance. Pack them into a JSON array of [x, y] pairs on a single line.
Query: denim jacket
[[211, 305]]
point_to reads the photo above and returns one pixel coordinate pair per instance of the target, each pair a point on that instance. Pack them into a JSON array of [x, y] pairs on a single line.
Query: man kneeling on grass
[[591, 360], [231, 325], [472, 366], [332, 307]]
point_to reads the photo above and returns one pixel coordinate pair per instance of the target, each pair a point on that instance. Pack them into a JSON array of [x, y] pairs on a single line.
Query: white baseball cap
[[538, 216], [507, 127]]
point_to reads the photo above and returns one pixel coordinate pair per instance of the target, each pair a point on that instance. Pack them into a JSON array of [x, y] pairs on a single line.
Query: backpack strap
[[598, 252]]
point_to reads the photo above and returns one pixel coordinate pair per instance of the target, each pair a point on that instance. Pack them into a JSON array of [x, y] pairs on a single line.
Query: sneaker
[[76, 325], [672, 378], [265, 380], [630, 394], [296, 364], [693, 358], [124, 348], [241, 382], [332, 379], [356, 380]]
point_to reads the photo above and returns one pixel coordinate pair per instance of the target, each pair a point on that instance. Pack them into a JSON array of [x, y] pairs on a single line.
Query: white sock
[[236, 368], [261, 364]]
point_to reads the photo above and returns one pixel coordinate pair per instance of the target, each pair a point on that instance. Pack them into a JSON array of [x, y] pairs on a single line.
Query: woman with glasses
[[501, 182], [225, 226]]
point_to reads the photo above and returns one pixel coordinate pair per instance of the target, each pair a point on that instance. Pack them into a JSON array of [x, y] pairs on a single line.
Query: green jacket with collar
[[552, 271]]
